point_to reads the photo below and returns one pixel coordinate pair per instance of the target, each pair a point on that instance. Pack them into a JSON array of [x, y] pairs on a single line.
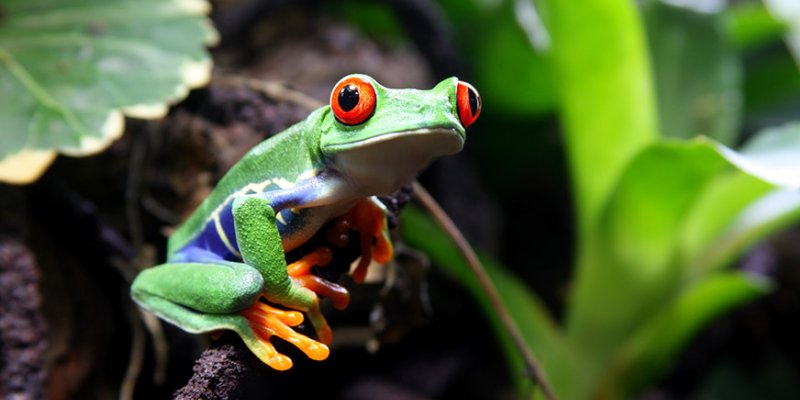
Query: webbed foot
[[267, 321]]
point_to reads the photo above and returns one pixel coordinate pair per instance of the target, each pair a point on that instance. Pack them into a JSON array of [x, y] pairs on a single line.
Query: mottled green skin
[[287, 155], [408, 129]]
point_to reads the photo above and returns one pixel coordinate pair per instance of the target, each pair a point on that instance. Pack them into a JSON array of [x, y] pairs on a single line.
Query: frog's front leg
[[368, 218], [260, 245]]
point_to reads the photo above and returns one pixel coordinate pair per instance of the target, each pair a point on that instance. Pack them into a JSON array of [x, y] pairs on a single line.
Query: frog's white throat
[[383, 164]]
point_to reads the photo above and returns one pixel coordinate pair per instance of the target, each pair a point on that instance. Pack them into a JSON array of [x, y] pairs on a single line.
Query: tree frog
[[226, 265]]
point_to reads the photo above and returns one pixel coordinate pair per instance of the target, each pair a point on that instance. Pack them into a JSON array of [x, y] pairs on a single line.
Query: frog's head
[[383, 137]]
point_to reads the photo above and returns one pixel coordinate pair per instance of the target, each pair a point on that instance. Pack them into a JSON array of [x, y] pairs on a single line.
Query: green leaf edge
[[27, 165]]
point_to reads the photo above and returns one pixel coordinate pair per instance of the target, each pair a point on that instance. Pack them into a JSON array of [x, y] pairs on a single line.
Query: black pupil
[[348, 97], [473, 102]]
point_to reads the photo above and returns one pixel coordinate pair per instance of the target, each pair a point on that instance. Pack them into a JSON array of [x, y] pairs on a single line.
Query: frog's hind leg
[[203, 297], [209, 288]]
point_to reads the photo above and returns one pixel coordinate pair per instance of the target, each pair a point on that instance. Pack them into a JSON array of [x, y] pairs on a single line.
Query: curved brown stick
[[483, 279]]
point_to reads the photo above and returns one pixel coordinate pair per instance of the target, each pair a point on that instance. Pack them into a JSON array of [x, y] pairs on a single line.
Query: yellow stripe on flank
[[280, 219], [250, 188], [224, 237], [282, 183], [255, 188]]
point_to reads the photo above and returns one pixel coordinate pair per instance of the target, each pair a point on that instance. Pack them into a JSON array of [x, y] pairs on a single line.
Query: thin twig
[[136, 358], [160, 345], [483, 279]]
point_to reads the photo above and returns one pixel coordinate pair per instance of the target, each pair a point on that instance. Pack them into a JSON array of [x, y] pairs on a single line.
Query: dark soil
[[22, 326]]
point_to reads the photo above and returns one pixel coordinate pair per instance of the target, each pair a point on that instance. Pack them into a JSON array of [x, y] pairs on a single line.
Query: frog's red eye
[[353, 100], [469, 103]]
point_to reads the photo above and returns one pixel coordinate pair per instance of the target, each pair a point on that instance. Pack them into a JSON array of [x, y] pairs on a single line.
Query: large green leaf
[[698, 81], [70, 68], [745, 209], [770, 213], [608, 109], [773, 155], [680, 211], [631, 264], [600, 62], [652, 347], [723, 198]]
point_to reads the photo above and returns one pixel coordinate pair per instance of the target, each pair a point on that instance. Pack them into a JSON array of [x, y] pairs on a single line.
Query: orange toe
[[322, 256], [267, 321]]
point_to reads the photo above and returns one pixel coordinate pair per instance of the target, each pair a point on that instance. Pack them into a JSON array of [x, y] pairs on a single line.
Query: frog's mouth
[[386, 162], [443, 141]]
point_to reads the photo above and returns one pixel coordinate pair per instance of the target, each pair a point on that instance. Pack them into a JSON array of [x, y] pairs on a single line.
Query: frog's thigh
[[218, 288]]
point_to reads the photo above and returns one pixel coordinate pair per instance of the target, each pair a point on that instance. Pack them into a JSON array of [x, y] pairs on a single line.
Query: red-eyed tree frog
[[226, 266]]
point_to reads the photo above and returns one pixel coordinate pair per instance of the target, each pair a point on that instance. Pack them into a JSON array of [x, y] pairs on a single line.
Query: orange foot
[[300, 271], [368, 218], [267, 321]]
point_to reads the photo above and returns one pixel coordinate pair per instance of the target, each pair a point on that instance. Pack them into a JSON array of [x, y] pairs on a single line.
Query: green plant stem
[[511, 327], [608, 107]]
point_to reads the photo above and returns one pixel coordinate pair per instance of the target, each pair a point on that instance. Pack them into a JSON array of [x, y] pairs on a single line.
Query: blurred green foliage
[[651, 98]]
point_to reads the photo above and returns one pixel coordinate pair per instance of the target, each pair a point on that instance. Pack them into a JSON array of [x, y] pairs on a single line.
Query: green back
[[280, 159]]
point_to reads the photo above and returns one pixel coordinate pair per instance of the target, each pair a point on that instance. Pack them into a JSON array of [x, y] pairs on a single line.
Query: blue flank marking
[[208, 246], [226, 220], [193, 254]]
